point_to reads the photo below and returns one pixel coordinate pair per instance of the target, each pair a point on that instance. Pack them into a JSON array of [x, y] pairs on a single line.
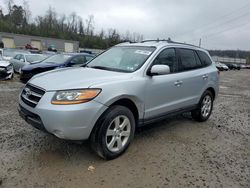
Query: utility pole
[[200, 43]]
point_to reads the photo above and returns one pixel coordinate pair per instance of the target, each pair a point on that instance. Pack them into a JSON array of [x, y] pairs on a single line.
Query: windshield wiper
[[99, 67]]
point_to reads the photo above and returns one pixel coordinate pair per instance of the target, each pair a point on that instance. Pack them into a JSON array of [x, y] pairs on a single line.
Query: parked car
[[9, 53], [6, 69], [221, 67], [19, 60], [247, 66], [54, 61], [233, 66], [242, 66], [127, 86], [30, 47]]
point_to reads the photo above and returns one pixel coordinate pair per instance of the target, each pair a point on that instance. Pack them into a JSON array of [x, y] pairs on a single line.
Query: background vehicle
[[233, 66], [55, 61], [9, 53], [221, 66], [6, 69], [127, 86], [30, 47], [19, 60]]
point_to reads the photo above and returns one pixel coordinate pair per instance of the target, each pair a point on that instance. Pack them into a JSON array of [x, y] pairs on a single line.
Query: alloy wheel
[[118, 133]]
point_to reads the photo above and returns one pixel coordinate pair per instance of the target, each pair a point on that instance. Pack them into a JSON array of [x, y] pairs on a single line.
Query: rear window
[[189, 59], [204, 58]]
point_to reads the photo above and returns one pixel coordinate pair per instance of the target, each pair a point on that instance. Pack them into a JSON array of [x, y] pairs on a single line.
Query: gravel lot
[[178, 152]]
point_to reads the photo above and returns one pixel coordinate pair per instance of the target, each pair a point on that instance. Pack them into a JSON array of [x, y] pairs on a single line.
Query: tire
[[108, 139], [205, 107]]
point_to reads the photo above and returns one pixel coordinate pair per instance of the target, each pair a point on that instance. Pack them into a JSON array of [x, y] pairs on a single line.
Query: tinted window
[[79, 60], [167, 57], [88, 58], [204, 58], [198, 61], [188, 59]]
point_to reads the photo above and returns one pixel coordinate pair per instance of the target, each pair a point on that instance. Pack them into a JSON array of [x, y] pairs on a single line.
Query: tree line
[[18, 20]]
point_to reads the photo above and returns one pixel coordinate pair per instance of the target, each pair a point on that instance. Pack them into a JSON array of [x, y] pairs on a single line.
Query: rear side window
[[204, 58], [189, 60]]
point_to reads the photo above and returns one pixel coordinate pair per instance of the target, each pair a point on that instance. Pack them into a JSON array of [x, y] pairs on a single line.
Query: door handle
[[205, 77], [178, 83]]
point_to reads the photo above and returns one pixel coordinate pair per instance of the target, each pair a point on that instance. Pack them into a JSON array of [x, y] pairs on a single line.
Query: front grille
[[31, 95]]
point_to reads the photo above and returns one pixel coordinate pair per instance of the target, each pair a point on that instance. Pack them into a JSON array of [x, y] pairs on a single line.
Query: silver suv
[[127, 86]]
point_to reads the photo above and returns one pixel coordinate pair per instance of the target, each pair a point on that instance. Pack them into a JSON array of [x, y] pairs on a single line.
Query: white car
[[6, 69]]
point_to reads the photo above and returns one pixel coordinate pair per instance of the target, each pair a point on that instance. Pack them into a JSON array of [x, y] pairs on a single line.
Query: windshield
[[32, 58], [57, 59], [122, 59]]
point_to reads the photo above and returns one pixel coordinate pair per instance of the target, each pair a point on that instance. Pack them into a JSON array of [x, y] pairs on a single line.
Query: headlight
[[75, 96]]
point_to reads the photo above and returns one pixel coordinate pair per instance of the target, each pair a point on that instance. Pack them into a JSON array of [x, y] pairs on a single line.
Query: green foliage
[[70, 27], [230, 53]]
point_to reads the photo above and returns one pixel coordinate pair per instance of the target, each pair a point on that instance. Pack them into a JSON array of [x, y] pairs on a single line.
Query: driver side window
[[167, 57]]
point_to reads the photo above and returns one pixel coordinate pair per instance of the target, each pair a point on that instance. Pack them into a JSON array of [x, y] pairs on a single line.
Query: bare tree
[[90, 25], [27, 12]]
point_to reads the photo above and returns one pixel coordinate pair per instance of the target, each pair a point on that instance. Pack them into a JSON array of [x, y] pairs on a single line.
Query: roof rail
[[168, 41]]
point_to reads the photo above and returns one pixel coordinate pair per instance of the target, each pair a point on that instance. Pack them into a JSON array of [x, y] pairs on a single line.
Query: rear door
[[193, 75]]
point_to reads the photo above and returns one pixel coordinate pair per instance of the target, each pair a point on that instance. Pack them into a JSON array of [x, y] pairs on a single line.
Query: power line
[[222, 31], [223, 16], [229, 21]]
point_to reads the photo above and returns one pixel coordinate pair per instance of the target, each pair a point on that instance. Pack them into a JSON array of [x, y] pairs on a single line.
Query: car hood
[[39, 64], [4, 63], [74, 78], [7, 58]]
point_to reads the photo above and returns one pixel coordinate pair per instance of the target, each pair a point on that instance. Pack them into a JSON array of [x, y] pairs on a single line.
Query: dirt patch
[[177, 152]]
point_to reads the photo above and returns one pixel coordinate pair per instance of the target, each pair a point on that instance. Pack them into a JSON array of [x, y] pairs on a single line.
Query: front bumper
[[6, 74], [25, 77], [69, 122]]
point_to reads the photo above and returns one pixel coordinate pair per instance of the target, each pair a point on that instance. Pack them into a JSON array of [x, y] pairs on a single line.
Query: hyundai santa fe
[[127, 86]]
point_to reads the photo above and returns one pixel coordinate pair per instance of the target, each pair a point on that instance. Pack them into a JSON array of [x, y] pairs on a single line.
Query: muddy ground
[[178, 152]]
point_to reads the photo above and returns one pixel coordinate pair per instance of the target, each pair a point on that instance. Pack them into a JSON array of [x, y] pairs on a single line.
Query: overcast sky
[[221, 24]]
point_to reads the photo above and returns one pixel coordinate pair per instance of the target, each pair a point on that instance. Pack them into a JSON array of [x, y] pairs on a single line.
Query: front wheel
[[205, 107], [113, 132]]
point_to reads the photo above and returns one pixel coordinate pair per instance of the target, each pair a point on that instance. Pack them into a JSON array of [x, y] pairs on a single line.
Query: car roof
[[161, 43]]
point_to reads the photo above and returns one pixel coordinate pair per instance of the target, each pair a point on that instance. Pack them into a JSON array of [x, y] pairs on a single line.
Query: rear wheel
[[113, 132], [205, 107]]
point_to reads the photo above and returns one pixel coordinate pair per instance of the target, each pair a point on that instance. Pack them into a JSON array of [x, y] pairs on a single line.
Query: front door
[[164, 93]]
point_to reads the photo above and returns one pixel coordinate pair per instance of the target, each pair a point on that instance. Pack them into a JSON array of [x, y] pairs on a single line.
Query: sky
[[220, 24]]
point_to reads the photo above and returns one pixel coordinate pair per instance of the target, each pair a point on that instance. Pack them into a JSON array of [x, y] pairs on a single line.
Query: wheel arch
[[212, 90]]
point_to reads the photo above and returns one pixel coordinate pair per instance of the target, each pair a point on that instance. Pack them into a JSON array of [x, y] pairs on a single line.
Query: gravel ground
[[177, 152]]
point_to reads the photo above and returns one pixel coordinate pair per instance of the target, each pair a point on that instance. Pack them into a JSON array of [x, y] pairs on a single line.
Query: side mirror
[[159, 70], [22, 60]]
